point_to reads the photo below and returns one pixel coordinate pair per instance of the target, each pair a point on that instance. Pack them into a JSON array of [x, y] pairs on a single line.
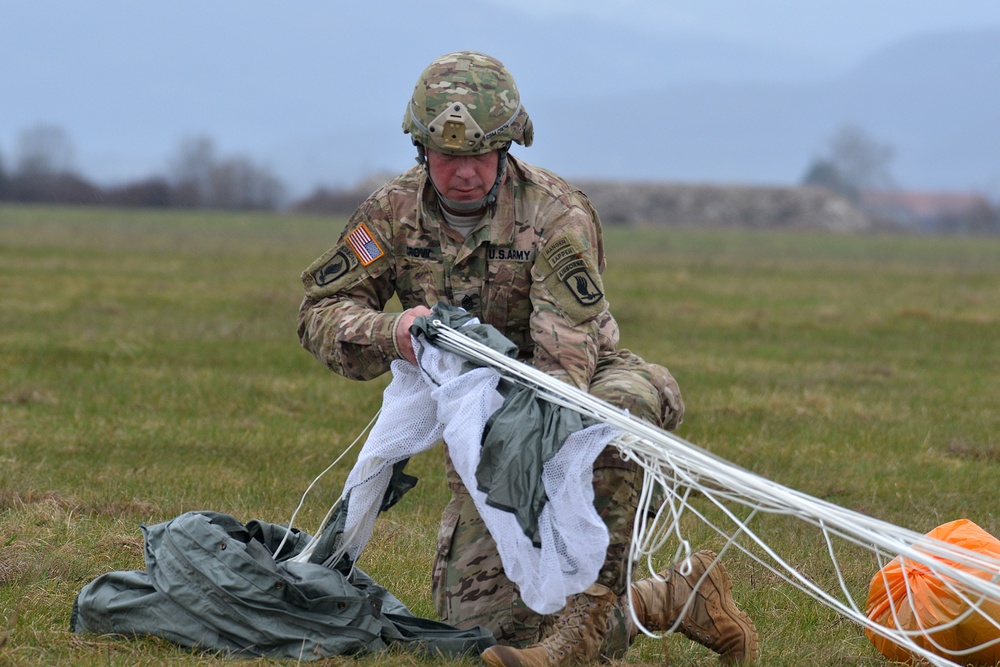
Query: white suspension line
[[306, 553]]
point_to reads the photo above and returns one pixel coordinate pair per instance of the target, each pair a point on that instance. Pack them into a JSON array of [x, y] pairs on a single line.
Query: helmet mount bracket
[[455, 129]]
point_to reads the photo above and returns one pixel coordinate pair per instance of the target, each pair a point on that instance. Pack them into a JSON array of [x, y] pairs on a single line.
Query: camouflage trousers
[[469, 585]]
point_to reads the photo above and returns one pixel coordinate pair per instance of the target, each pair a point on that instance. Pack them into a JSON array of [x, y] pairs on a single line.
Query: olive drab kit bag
[[215, 584]]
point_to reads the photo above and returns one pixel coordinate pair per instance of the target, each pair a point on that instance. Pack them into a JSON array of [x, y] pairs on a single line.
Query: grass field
[[149, 366]]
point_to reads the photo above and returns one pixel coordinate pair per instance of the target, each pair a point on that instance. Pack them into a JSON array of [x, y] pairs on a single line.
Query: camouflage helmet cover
[[466, 103]]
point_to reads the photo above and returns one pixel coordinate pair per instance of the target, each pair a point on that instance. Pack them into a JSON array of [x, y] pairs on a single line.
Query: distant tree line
[[340, 200], [853, 164], [197, 177]]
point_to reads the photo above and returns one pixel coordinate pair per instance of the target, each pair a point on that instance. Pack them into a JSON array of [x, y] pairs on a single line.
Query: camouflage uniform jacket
[[533, 270]]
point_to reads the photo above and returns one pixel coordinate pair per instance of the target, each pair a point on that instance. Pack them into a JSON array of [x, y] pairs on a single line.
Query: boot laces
[[569, 628]]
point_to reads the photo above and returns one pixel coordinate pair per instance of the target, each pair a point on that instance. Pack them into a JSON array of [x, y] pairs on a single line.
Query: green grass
[[149, 366]]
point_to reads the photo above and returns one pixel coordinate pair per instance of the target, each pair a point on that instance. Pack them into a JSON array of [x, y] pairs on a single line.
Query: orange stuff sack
[[928, 603]]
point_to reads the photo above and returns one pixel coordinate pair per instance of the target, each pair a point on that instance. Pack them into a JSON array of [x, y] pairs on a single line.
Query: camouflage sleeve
[[340, 319], [567, 298]]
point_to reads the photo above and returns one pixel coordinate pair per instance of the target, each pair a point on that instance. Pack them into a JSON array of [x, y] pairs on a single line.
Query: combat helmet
[[466, 103]]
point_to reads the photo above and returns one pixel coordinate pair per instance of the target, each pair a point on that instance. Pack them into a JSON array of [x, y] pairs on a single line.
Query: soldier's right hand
[[403, 341]]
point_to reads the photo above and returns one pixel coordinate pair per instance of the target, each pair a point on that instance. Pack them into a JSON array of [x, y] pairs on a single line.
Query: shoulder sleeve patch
[[577, 278], [334, 268]]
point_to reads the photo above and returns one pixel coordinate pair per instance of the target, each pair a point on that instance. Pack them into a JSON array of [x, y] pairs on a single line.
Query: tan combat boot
[[713, 619], [576, 636]]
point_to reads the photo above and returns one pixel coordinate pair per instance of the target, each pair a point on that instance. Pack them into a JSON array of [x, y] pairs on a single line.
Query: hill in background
[[317, 95], [932, 99]]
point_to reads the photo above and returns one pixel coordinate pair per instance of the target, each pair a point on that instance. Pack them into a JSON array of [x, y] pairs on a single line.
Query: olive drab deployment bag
[[214, 584], [908, 596]]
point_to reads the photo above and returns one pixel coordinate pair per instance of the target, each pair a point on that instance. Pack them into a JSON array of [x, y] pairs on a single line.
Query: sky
[[839, 32], [128, 80]]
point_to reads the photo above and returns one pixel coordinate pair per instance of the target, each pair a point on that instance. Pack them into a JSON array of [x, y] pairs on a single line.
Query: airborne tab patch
[[364, 245]]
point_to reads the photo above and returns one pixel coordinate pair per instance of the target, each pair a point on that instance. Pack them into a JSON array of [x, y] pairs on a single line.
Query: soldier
[[521, 249]]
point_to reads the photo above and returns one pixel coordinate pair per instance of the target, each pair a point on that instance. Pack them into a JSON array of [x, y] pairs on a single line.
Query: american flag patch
[[363, 245]]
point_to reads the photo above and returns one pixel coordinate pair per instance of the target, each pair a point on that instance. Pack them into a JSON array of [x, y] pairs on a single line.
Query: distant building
[[931, 212]]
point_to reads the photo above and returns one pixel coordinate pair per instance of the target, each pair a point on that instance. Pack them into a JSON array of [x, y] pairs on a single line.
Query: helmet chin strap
[[468, 208]]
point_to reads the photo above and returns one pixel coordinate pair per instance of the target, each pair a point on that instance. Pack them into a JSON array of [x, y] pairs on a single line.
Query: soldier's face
[[463, 177]]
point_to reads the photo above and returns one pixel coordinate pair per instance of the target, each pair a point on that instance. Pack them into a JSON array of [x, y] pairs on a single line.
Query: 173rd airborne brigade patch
[[568, 269]]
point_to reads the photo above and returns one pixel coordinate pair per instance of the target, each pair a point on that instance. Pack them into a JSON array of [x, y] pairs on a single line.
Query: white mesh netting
[[422, 406]]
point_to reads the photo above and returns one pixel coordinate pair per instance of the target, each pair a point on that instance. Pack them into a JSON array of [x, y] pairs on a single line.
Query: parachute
[[935, 598], [739, 501]]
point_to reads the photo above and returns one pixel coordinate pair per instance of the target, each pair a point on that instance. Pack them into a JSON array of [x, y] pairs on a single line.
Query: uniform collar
[[501, 225]]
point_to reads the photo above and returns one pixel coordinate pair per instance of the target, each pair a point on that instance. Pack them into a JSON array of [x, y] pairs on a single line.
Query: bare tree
[[44, 169], [190, 171], [202, 180], [238, 183], [44, 150], [853, 162], [3, 179]]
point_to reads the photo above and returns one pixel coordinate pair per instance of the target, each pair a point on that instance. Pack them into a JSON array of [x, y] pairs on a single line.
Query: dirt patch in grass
[[973, 451], [27, 396], [63, 503]]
